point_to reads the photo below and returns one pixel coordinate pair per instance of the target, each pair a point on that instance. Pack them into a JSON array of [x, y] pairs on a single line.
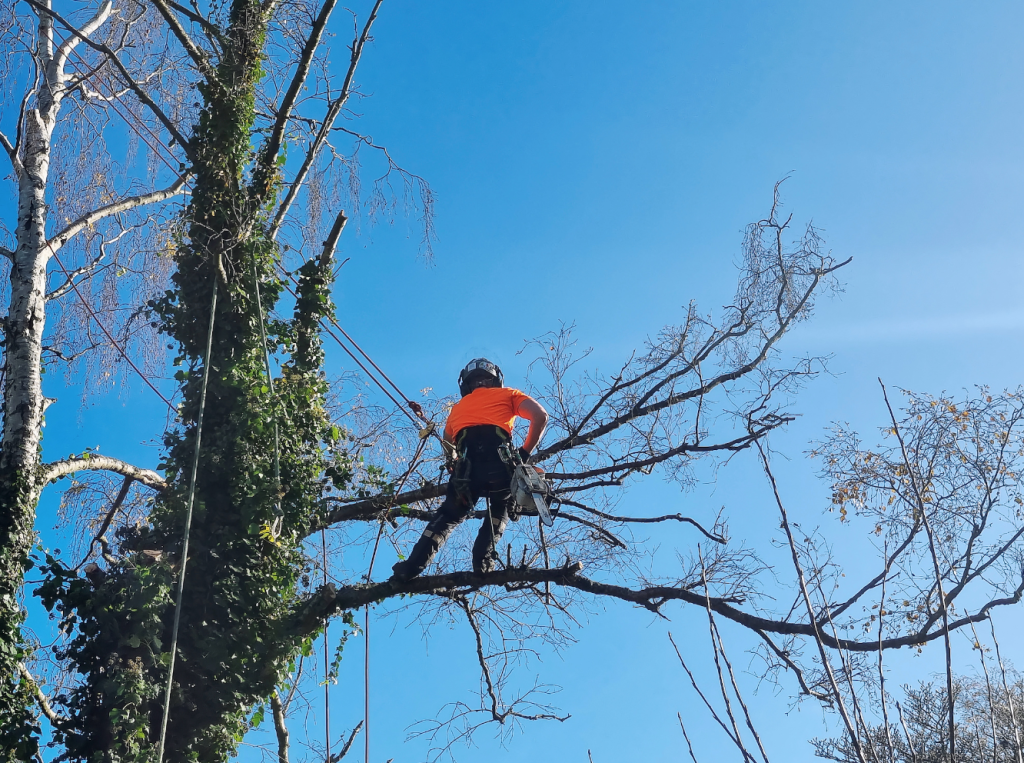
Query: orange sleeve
[[517, 397]]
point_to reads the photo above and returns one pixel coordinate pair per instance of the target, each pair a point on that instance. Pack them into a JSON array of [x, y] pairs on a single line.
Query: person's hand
[[524, 454]]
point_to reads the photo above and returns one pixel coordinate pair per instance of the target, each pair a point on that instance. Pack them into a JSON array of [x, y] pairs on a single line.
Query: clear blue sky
[[595, 162]]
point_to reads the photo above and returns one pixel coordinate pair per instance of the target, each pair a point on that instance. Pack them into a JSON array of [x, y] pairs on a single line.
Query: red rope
[[109, 336]]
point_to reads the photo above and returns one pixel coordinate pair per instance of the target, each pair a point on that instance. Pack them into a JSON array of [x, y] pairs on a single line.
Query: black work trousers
[[480, 473]]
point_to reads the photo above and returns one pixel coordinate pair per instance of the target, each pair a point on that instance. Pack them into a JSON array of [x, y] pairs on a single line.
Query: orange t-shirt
[[497, 406]]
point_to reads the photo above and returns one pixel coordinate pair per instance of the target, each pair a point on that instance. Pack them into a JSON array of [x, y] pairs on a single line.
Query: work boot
[[485, 548], [405, 571], [420, 556]]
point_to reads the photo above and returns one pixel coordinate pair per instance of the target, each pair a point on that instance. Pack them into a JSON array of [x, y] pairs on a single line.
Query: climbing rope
[[416, 408], [327, 664], [188, 524], [366, 608], [110, 337]]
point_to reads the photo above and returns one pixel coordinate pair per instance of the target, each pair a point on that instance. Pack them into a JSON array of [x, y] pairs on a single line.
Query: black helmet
[[474, 370]]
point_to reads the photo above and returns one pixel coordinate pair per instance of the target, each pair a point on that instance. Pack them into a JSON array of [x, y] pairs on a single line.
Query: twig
[[707, 704], [826, 664], [125, 486], [718, 648], [348, 744], [686, 736], [881, 670], [1009, 695], [938, 572], [784, 656], [906, 733], [988, 689]]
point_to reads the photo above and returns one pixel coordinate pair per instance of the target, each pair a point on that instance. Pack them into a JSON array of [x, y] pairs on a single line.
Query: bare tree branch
[[643, 520], [819, 635], [737, 444], [213, 32], [41, 700], [943, 603], [280, 728], [136, 88], [117, 503], [122, 205], [332, 114], [8, 147], [714, 713], [193, 51], [65, 48], [266, 163], [95, 462], [348, 744]]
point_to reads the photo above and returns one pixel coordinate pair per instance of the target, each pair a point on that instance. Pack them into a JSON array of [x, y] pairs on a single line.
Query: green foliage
[[18, 728], [114, 619]]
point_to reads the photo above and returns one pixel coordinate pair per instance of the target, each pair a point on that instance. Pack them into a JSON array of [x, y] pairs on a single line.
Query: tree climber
[[478, 426]]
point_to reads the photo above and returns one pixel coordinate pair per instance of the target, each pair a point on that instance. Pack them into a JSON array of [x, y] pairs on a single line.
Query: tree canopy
[[202, 580]]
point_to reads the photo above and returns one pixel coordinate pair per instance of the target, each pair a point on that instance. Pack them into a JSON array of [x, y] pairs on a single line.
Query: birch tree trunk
[[24, 402]]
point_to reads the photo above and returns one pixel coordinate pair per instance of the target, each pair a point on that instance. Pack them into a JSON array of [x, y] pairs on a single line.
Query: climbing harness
[[188, 524]]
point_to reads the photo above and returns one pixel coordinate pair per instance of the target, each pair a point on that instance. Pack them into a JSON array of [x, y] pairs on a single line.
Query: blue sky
[[595, 162]]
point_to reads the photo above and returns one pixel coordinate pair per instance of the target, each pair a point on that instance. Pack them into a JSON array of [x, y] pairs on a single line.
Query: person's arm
[[538, 417], [448, 443]]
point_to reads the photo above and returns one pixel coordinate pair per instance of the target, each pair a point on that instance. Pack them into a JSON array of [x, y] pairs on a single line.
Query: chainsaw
[[528, 486]]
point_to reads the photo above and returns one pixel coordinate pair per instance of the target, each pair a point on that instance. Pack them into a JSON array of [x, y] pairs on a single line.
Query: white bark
[[26, 319], [94, 462]]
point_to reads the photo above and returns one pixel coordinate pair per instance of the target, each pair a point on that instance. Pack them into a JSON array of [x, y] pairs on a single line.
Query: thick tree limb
[[193, 51], [328, 600], [262, 176], [41, 700], [92, 462], [280, 728], [136, 88], [371, 507], [213, 32], [64, 49], [325, 128], [122, 205]]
